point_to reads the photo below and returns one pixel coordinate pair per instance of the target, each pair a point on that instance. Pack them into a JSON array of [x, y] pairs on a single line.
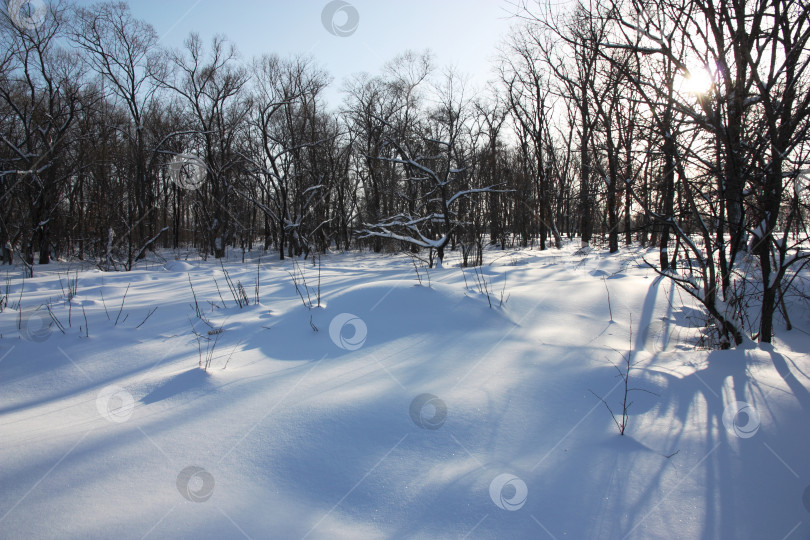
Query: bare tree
[[285, 123], [40, 93], [124, 52], [528, 95], [211, 85], [778, 60], [434, 162]]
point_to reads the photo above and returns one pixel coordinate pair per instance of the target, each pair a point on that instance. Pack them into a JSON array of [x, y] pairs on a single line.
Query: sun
[[698, 81]]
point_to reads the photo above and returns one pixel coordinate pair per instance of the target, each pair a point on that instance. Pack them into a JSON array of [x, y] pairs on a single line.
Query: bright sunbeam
[[699, 81]]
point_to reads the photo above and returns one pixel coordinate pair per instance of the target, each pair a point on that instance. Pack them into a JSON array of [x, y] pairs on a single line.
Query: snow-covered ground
[[393, 410]]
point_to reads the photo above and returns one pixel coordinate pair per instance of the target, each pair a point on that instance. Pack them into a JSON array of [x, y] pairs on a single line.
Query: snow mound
[[178, 266], [372, 315], [404, 300]]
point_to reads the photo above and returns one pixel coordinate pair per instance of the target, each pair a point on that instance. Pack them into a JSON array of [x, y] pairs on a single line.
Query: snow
[[179, 266], [394, 409]]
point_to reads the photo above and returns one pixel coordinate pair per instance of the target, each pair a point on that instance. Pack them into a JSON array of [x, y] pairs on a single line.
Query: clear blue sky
[[463, 33]]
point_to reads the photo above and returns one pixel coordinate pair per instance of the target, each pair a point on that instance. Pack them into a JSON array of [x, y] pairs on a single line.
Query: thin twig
[[55, 320], [86, 326], [122, 305], [147, 317], [608, 294]]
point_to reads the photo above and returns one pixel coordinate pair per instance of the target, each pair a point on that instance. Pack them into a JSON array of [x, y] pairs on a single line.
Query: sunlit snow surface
[[395, 409]]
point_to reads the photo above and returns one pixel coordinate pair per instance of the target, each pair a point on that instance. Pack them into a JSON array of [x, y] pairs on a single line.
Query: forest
[[681, 126]]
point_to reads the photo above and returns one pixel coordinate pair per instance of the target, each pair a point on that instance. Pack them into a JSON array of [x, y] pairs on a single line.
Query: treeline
[[681, 125], [113, 146]]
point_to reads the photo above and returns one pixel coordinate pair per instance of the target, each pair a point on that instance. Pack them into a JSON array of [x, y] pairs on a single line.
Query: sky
[[461, 33]]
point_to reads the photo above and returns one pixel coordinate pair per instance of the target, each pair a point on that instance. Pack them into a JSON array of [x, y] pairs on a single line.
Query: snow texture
[[393, 410]]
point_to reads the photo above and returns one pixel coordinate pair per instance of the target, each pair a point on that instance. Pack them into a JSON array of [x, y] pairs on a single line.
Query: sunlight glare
[[699, 81]]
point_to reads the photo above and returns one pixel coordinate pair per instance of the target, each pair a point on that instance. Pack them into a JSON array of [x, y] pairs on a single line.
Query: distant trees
[[437, 195], [123, 52], [528, 94], [211, 85], [289, 130], [594, 129], [41, 102]]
